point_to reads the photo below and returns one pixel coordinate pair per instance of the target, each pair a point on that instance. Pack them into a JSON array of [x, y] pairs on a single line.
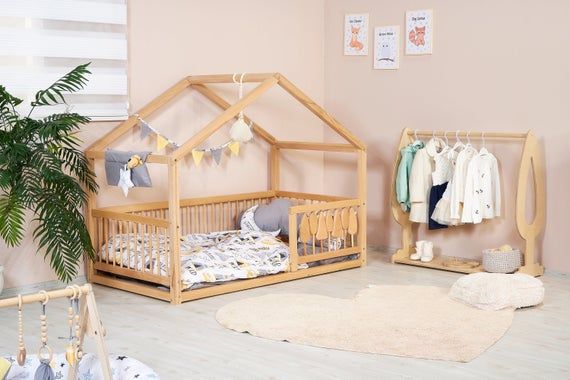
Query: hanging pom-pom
[[240, 131], [44, 371]]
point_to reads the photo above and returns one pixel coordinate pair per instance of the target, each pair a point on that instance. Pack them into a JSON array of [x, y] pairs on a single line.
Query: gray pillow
[[274, 216], [115, 160]]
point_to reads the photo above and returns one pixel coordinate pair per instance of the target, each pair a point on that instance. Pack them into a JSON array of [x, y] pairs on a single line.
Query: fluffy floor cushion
[[496, 291], [413, 321]]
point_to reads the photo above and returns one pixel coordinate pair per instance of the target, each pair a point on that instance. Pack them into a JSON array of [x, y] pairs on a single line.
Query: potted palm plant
[[43, 171]]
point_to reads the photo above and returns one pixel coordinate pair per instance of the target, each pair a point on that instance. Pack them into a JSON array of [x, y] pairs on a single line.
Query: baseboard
[[382, 249], [34, 288]]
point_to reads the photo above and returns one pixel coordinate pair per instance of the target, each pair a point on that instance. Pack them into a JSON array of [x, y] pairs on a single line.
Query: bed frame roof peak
[[230, 111]]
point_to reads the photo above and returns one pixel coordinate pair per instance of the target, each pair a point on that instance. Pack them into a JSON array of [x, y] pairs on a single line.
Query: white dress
[[482, 198], [457, 191], [442, 211]]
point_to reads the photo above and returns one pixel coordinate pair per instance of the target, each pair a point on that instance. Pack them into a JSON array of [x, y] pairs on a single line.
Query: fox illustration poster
[[356, 34], [419, 32]]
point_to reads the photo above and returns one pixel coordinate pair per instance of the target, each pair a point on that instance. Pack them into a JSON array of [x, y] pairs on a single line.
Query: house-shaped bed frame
[[322, 216]]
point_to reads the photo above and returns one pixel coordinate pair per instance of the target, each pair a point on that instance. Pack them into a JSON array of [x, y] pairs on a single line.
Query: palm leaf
[[12, 217], [71, 82]]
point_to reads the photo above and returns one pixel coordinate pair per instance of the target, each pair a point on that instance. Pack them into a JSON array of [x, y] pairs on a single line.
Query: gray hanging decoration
[[217, 155], [145, 129]]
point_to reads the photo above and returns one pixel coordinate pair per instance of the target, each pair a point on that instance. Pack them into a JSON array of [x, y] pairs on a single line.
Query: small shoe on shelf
[[427, 253], [419, 250]]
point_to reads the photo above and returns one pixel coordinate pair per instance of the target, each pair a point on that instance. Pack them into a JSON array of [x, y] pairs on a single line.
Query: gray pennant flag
[[217, 155], [145, 129]]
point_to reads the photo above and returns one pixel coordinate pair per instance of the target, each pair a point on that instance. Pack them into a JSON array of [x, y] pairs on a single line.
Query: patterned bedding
[[205, 258], [122, 368]]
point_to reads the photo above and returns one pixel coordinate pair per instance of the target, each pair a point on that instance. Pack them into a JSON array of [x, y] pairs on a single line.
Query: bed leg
[[293, 255], [362, 212], [174, 231]]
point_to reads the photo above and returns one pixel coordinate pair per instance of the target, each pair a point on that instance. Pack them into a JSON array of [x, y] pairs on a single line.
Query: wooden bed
[[177, 217]]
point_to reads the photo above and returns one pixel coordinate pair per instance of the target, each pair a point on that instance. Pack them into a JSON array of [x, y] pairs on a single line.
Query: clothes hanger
[[469, 145], [483, 149], [416, 139], [446, 148], [459, 145], [437, 141]]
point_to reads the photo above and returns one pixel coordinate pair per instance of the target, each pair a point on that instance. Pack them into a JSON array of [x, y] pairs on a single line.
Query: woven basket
[[501, 262]]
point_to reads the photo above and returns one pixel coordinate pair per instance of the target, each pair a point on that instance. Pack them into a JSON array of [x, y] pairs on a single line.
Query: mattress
[[205, 258]]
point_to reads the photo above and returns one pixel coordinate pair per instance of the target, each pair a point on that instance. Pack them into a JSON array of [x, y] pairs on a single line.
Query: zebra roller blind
[[40, 40]]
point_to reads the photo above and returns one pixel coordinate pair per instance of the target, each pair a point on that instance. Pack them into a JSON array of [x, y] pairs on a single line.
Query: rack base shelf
[[437, 263]]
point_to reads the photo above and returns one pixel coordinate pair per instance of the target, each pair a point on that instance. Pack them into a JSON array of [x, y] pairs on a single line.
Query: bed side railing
[[324, 231], [132, 240], [220, 213], [132, 245]]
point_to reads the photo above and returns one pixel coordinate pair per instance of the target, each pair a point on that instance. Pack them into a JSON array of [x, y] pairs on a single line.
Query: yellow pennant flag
[[234, 147], [197, 156], [161, 143]]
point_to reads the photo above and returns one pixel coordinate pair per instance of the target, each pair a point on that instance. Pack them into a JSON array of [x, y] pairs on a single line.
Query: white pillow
[[495, 291]]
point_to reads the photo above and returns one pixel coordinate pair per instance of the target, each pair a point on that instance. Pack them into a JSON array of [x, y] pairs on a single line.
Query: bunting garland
[[163, 142], [217, 155], [215, 152], [234, 147], [197, 156]]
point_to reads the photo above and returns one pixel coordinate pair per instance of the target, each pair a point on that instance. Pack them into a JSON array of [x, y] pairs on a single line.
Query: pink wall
[[496, 66], [169, 40]]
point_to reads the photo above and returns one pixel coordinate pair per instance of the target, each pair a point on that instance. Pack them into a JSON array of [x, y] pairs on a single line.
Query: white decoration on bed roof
[[125, 182], [240, 130]]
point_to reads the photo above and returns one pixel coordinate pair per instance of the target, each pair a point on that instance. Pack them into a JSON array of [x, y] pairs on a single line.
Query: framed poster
[[419, 32], [356, 34], [387, 47]]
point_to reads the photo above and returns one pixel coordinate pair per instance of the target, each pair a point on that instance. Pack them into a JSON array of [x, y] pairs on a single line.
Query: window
[[40, 40]]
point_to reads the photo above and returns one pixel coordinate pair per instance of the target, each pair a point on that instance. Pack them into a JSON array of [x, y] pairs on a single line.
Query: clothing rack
[[90, 322], [531, 159]]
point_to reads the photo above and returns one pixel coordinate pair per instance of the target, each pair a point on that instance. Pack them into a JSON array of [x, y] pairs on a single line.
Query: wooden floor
[[183, 342]]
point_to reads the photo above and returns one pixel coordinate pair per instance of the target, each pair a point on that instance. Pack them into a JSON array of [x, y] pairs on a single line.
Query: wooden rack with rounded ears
[[90, 322], [530, 160]]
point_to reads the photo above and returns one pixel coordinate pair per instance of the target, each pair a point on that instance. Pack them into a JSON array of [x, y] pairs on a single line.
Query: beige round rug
[[412, 321]]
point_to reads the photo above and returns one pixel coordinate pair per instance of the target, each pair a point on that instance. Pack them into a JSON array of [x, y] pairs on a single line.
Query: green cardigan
[[403, 175]]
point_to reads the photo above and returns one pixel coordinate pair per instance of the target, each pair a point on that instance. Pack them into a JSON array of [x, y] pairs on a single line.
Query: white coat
[[482, 197]]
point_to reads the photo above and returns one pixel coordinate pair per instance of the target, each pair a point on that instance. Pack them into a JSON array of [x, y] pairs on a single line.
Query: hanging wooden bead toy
[[77, 324], [21, 357], [70, 349], [45, 353]]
